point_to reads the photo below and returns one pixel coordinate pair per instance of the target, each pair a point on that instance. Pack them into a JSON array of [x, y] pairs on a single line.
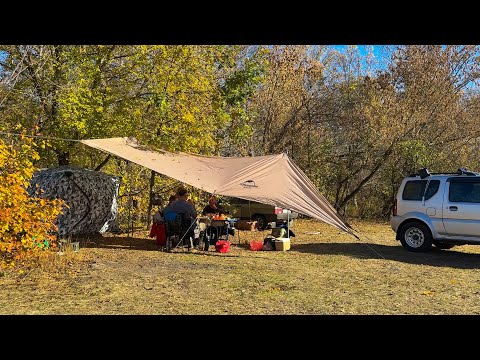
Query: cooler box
[[282, 244]]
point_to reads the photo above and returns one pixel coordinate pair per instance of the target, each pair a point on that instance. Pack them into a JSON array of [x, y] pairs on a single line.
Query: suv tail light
[[395, 207], [278, 210]]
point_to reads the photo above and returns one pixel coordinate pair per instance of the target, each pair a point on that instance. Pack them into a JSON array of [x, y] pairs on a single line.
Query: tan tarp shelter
[[271, 179]]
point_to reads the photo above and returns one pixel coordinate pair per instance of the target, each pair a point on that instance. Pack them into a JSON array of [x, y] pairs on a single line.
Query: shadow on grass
[[436, 257], [144, 244]]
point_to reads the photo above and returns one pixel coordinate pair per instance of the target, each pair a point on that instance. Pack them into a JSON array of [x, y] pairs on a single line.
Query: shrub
[[27, 224]]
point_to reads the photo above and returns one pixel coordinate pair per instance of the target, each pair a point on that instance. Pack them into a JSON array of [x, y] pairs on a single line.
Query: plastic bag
[[222, 246]]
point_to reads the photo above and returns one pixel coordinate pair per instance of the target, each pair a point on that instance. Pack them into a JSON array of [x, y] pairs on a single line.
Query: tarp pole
[[288, 224], [149, 212], [129, 202]]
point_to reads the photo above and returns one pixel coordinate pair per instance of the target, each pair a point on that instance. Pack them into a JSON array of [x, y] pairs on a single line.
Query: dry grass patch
[[325, 272]]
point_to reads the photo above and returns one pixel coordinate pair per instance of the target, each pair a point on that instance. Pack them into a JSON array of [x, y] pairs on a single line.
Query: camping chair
[[179, 231]]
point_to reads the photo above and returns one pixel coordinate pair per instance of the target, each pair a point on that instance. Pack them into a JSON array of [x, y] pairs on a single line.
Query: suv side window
[[463, 191], [414, 189]]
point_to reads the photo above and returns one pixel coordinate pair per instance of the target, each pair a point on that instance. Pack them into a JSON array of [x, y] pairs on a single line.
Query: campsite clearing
[[325, 272]]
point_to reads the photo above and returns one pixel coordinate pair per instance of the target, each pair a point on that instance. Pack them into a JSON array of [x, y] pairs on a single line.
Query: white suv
[[440, 209]]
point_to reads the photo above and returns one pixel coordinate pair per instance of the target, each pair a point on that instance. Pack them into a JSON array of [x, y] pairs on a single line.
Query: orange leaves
[[27, 224]]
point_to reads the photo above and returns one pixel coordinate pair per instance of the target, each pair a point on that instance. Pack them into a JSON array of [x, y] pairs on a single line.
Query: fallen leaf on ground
[[427, 292]]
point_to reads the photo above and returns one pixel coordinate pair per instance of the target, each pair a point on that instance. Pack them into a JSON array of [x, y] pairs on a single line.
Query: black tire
[[416, 237], [442, 245], [261, 221]]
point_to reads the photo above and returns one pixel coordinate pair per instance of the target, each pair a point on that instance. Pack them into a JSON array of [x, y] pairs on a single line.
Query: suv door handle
[[452, 208]]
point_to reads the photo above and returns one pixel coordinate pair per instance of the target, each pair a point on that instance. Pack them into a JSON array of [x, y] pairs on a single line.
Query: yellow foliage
[[26, 223]]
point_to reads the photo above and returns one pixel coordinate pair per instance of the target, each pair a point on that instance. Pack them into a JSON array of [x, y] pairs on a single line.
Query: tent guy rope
[[39, 136]]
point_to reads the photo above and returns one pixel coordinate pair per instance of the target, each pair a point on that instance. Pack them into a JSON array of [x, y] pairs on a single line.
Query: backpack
[[169, 215]]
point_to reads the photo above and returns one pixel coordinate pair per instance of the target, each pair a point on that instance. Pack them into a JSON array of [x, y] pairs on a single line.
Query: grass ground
[[325, 272]]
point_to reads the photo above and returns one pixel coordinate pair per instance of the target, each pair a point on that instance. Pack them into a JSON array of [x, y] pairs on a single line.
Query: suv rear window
[[414, 189]]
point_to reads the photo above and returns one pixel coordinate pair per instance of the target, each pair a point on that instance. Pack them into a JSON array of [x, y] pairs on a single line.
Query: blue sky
[[380, 55], [362, 48]]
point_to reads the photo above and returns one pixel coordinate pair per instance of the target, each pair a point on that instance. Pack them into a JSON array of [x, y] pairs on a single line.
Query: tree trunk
[[380, 162], [63, 157]]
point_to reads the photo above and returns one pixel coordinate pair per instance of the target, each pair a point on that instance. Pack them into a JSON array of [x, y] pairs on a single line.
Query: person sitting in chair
[[213, 232], [182, 206], [213, 207], [186, 209]]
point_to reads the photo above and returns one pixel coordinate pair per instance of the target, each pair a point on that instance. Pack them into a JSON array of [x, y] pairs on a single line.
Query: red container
[[161, 236], [256, 245], [222, 246], [153, 230]]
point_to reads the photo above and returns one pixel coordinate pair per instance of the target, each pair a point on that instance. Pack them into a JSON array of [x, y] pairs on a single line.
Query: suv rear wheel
[[416, 237], [261, 221]]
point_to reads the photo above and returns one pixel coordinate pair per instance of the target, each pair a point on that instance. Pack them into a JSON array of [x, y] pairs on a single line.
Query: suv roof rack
[[423, 173], [463, 171]]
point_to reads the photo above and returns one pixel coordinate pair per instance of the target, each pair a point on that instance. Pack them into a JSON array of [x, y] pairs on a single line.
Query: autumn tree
[[355, 126], [400, 118], [27, 224], [187, 98]]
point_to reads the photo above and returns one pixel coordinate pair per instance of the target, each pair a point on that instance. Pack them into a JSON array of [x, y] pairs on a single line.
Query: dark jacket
[[183, 207], [209, 210]]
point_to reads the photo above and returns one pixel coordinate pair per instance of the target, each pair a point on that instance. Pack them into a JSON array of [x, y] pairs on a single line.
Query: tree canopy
[[355, 123]]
